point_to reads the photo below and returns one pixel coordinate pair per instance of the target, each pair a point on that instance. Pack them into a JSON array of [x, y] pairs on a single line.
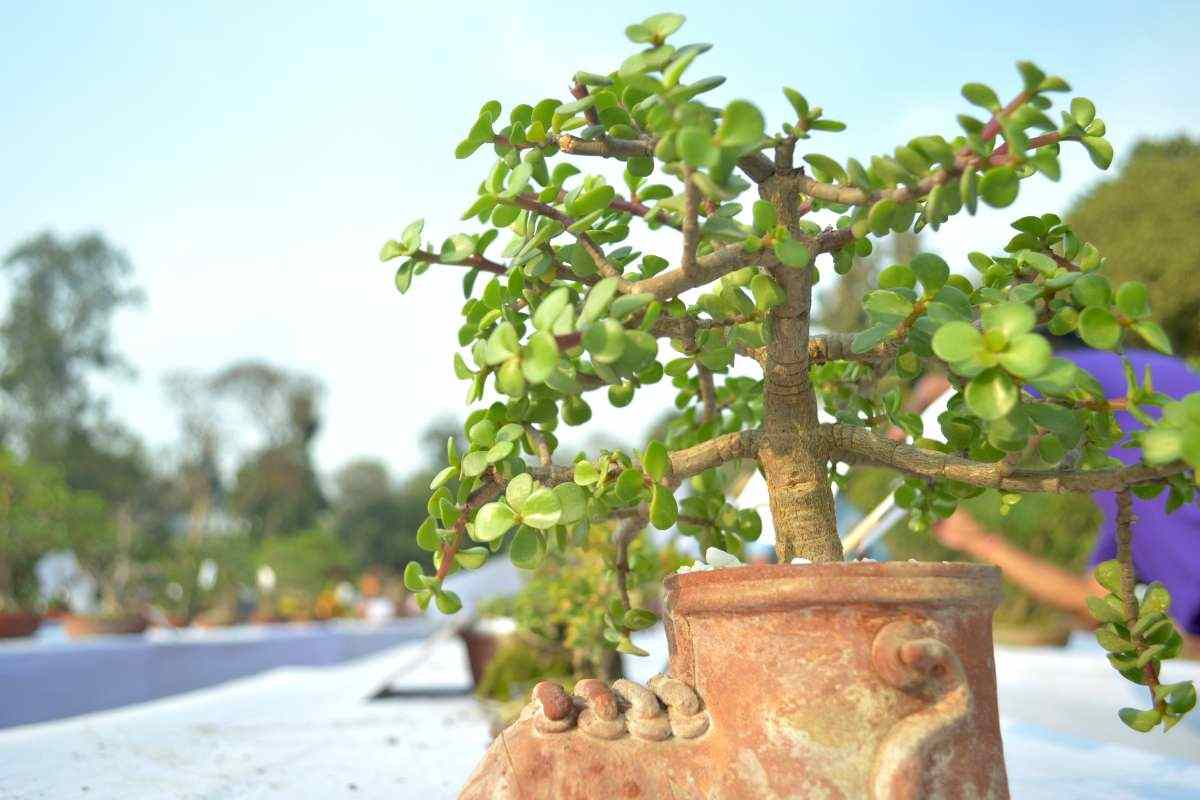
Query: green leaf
[[573, 501], [510, 380], [866, 339], [448, 602], [586, 473], [550, 307], [797, 101], [1027, 355], [1153, 335], [879, 218], [626, 645], [528, 548], [1091, 290], [767, 293], [828, 166], [991, 394], [1083, 111], [605, 340], [1105, 611], [471, 557], [956, 341], [696, 148], [1133, 299], [1010, 319], [412, 577], [981, 95], [655, 460], [442, 478], [931, 270], [1099, 328], [897, 276], [493, 521], [542, 509], [887, 306], [1099, 149], [792, 253], [637, 619], [502, 344], [1156, 600], [539, 357], [663, 25], [594, 200], [627, 304], [663, 508], [742, 125], [517, 490], [765, 217], [474, 463], [1140, 721], [1108, 575], [999, 187], [597, 300]]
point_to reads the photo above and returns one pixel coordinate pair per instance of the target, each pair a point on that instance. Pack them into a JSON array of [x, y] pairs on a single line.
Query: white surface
[[45, 679], [291, 733], [311, 733]]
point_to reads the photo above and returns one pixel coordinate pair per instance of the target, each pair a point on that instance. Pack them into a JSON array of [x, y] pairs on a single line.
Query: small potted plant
[[31, 520], [812, 677], [553, 628], [103, 546]]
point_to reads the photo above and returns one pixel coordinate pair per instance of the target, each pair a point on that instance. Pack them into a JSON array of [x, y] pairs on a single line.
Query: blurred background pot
[[17, 624], [81, 626]]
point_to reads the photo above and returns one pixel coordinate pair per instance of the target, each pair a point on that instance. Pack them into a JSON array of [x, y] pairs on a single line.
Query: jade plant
[[649, 235]]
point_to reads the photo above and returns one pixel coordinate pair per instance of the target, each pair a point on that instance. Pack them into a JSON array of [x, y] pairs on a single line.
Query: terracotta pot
[[17, 624], [808, 681], [482, 638], [78, 627]]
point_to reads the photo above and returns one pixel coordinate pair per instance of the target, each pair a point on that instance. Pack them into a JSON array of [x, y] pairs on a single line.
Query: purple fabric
[[1166, 547]]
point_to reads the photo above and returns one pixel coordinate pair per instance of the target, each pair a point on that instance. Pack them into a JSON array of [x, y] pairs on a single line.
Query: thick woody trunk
[[793, 455]]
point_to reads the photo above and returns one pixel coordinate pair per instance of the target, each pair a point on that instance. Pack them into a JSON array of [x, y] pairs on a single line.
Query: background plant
[[572, 304]]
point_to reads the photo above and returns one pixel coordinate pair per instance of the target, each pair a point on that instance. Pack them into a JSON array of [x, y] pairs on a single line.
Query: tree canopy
[[573, 303]]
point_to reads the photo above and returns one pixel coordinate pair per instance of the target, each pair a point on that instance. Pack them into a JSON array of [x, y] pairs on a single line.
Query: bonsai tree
[[651, 236]]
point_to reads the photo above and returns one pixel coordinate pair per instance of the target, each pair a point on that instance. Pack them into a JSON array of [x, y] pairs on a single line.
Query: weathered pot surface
[[807, 681]]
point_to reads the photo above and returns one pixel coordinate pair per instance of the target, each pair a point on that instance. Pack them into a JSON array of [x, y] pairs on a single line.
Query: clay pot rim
[[780, 586]]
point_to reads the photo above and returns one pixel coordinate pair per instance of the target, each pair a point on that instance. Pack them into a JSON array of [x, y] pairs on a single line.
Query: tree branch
[[708, 392], [606, 147], [691, 222], [838, 347], [1129, 604], [861, 445], [606, 267], [472, 261]]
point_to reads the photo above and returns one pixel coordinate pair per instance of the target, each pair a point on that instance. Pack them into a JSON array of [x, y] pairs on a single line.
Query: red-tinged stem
[[476, 261]]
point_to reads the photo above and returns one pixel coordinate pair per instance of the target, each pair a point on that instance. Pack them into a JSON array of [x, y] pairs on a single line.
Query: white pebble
[[719, 558], [799, 560]]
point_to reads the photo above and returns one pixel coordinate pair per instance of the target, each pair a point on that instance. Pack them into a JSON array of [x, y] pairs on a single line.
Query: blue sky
[[251, 157]]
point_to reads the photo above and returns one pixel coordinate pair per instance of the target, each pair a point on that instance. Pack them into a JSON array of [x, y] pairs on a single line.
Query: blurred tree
[[55, 334], [375, 517], [1157, 190], [276, 489]]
